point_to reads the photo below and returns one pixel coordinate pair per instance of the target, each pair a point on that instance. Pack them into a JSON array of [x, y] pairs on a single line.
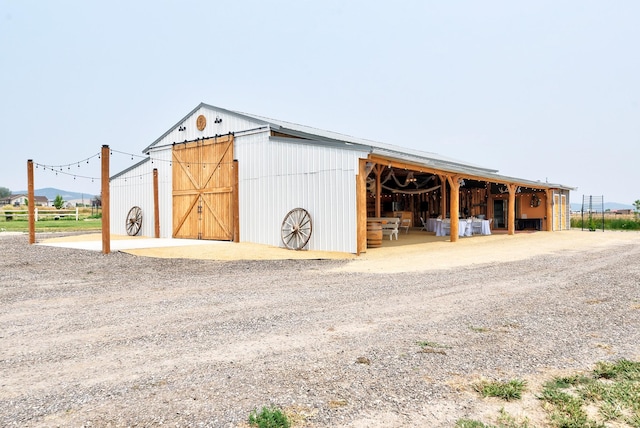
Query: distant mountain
[[51, 194], [612, 206]]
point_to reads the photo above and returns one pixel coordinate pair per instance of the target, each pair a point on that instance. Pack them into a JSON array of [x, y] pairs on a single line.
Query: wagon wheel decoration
[[134, 221], [296, 229]]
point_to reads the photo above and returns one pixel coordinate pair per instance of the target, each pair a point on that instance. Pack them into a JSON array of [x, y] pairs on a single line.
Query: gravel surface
[[117, 340]]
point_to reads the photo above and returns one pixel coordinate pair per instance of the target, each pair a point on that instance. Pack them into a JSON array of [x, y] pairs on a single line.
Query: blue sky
[[539, 90]]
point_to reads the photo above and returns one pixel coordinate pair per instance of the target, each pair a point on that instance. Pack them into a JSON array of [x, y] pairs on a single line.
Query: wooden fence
[[40, 214]]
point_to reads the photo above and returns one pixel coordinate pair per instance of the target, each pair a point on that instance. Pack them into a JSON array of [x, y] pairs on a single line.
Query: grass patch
[[607, 396], [511, 390], [505, 420], [67, 224], [611, 390], [269, 417]]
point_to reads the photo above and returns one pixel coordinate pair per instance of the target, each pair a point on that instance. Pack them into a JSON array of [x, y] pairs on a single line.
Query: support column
[[454, 205], [443, 195], [549, 209], [156, 206], [512, 208], [106, 231], [378, 171], [31, 203], [236, 201], [361, 207]]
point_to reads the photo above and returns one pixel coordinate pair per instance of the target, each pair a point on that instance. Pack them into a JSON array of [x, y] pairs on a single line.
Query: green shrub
[[269, 417]]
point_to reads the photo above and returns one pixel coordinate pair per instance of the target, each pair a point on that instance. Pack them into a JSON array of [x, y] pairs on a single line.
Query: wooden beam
[[443, 195], [236, 202], [511, 216], [378, 171], [361, 207], [549, 210], [106, 219], [156, 205], [454, 205], [436, 171], [31, 203]]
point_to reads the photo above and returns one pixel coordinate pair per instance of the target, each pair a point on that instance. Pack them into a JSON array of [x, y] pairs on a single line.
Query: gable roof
[[319, 136]]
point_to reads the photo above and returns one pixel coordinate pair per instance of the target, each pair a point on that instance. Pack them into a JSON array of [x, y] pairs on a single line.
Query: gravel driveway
[[89, 339]]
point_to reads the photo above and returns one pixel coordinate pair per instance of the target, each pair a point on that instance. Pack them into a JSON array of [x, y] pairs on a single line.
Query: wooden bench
[[390, 225]]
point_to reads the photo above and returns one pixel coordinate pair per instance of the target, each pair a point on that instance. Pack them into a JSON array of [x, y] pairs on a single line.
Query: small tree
[[637, 205], [58, 202], [4, 192]]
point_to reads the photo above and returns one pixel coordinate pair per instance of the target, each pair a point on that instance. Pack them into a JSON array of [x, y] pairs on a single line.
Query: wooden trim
[[209, 191], [420, 168], [361, 207], [236, 202]]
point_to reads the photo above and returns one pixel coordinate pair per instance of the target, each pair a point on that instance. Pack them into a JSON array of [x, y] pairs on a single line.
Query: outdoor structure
[[18, 200], [224, 175]]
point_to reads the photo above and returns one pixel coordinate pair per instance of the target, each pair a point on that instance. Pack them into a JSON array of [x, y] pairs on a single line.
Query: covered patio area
[[451, 193]]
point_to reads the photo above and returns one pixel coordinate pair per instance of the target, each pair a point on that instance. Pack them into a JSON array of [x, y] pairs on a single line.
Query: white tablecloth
[[480, 227], [443, 227], [431, 224]]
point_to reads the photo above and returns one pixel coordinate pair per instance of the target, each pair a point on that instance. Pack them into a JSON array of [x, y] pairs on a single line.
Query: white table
[[431, 224], [481, 227], [443, 227]]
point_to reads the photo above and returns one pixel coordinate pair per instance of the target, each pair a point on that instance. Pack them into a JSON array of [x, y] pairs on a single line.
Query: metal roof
[[320, 136]]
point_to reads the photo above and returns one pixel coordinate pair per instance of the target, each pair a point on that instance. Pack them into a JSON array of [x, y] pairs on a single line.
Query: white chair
[[468, 231], [446, 227], [424, 225], [405, 224]]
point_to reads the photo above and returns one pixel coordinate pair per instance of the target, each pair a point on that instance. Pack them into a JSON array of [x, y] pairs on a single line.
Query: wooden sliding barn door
[[559, 212], [203, 181]]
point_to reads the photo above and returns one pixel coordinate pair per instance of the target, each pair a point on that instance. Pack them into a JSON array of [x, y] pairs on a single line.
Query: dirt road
[[121, 340]]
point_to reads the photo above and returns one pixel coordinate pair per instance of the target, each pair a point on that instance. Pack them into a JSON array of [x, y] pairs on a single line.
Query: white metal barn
[[225, 175]]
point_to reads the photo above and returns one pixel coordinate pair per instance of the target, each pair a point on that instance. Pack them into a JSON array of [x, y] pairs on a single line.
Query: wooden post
[[106, 232], [361, 207], [236, 202], [378, 172], [156, 206], [512, 208], [32, 203], [443, 195], [549, 210], [454, 202]]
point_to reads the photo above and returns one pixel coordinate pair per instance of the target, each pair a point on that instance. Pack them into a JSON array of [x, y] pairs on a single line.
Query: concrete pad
[[93, 242], [190, 248]]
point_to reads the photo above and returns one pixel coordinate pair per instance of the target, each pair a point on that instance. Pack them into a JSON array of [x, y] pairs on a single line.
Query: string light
[[65, 169]]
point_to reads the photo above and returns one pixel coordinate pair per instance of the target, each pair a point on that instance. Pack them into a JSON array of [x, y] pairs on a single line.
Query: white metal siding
[[135, 188], [276, 176], [229, 123]]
